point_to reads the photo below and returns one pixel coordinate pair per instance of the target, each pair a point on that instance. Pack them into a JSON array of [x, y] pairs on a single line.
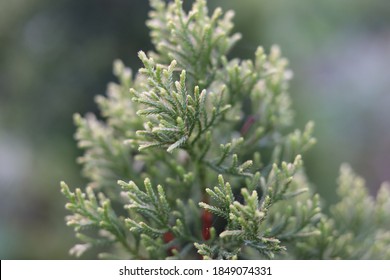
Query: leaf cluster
[[190, 119]]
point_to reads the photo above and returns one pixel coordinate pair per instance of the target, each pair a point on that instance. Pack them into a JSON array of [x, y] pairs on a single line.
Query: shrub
[[199, 159]]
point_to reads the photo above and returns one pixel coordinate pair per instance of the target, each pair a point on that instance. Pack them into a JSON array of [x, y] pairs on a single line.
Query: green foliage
[[194, 119], [358, 226]]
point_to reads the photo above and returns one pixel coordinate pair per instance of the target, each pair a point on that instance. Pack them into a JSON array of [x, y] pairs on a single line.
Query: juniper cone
[[196, 157]]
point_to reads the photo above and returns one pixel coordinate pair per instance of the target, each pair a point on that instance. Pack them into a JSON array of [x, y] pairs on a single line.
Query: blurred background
[[55, 56]]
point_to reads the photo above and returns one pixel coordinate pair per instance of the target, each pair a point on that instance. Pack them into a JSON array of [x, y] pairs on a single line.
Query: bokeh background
[[55, 56]]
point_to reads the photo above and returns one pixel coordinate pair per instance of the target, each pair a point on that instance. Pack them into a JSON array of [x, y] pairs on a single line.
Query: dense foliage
[[200, 159]]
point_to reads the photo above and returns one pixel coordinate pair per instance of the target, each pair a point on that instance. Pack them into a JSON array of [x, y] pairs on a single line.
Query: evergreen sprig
[[195, 40], [176, 115], [90, 212], [356, 228], [194, 119]]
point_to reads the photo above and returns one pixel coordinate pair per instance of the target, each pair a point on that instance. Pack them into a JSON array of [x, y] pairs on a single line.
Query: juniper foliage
[[199, 159]]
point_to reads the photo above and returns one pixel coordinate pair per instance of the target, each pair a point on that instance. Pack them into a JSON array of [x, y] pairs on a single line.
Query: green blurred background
[[55, 56]]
